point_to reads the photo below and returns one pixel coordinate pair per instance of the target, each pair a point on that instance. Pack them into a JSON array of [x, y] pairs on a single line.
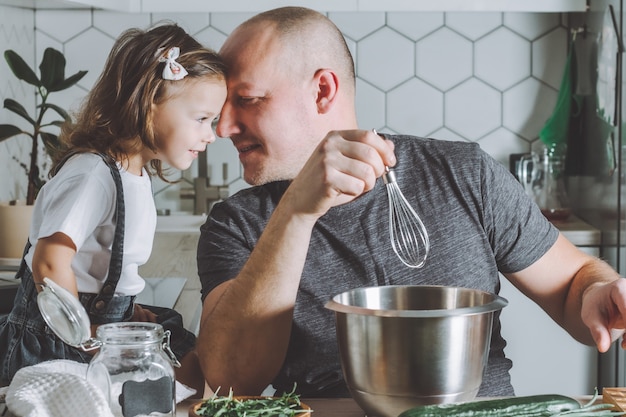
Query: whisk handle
[[389, 177]]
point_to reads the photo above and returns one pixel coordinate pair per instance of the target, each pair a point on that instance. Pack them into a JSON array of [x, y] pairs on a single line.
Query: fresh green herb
[[287, 405]]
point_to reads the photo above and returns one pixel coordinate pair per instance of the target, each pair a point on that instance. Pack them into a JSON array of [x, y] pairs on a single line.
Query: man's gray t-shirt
[[479, 222]]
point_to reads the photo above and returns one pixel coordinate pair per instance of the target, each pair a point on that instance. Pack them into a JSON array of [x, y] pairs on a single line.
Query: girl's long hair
[[116, 117]]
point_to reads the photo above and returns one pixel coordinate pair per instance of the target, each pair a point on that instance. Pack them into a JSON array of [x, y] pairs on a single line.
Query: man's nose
[[227, 123]]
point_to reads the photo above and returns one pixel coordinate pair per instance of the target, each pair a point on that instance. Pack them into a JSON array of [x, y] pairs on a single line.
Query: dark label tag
[[145, 397]]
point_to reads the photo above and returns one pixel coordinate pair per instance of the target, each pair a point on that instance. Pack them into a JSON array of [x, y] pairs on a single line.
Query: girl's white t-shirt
[[80, 202]]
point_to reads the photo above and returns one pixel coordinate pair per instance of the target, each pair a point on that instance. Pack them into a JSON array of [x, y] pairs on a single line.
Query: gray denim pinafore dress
[[26, 340]]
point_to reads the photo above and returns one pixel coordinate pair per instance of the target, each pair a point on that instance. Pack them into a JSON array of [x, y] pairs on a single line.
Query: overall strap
[[100, 303], [20, 272]]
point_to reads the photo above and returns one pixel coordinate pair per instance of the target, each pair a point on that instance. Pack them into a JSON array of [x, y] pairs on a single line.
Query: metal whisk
[[409, 238]]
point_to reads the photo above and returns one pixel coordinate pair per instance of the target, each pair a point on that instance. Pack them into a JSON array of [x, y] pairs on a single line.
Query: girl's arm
[[53, 259]]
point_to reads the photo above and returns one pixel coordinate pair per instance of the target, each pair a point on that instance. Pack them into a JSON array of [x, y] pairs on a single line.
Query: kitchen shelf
[[196, 6]]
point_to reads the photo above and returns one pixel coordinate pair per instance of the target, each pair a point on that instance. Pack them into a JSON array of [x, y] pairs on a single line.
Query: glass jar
[[550, 193], [133, 370], [134, 367]]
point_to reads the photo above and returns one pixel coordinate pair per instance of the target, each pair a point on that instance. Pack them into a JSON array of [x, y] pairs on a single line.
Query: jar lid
[[65, 315]]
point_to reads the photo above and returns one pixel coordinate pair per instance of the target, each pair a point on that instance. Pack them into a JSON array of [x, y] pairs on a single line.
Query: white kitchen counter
[[579, 232], [174, 255]]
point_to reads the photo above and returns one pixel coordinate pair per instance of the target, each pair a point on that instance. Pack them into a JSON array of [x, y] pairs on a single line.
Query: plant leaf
[[17, 108], [21, 68], [51, 143], [52, 68], [68, 82], [58, 109], [7, 131]]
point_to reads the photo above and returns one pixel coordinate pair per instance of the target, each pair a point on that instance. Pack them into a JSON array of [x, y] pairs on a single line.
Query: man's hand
[[604, 312], [344, 165], [143, 315]]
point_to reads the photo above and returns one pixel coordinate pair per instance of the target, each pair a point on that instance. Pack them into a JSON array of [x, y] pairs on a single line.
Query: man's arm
[[582, 293], [246, 322]]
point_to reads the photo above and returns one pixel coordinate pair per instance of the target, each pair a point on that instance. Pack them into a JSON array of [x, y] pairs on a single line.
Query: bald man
[[314, 224]]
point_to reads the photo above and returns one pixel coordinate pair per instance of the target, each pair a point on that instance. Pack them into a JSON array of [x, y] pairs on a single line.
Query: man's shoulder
[[435, 144], [421, 150], [255, 199]]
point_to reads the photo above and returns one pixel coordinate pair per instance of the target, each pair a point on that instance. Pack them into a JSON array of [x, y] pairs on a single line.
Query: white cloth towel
[[54, 389], [59, 388]]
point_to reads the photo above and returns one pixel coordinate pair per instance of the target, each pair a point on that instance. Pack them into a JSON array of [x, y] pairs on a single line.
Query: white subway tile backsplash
[[486, 77]]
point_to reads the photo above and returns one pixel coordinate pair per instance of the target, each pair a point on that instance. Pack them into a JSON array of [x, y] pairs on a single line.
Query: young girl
[[94, 221]]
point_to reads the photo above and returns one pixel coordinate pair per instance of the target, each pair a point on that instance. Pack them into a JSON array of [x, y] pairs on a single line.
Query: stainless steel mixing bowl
[[403, 346]]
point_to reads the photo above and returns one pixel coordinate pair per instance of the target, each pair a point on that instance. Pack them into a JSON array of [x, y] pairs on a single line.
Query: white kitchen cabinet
[[546, 359], [197, 6]]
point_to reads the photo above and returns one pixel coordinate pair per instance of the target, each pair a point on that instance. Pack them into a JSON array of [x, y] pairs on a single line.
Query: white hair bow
[[173, 70]]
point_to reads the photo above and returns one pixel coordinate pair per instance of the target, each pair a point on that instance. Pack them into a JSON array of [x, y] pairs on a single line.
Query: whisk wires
[[409, 238]]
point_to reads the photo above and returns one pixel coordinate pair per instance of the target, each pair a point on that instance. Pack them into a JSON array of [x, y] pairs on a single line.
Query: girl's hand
[[143, 314]]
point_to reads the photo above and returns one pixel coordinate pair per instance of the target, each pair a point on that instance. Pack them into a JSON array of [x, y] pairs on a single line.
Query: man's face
[[270, 107]]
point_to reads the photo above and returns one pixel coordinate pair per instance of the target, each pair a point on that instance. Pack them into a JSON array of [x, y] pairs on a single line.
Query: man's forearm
[[246, 322]]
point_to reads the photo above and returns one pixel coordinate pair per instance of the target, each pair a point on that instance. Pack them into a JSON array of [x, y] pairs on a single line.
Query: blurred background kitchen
[[486, 71]]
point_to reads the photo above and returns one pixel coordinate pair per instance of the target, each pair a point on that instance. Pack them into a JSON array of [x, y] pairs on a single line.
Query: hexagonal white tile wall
[[381, 65], [63, 25], [527, 106], [16, 33], [211, 38], [473, 25], [444, 59], [502, 58], [415, 108], [531, 25], [191, 22], [114, 23], [502, 142], [82, 55], [473, 109], [227, 22], [549, 53], [447, 134], [415, 25], [357, 26], [482, 61], [370, 105]]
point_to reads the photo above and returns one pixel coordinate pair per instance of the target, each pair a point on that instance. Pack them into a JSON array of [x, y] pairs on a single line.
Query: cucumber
[[528, 406]]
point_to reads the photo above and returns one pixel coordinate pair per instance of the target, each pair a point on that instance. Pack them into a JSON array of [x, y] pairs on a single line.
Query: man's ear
[[327, 84]]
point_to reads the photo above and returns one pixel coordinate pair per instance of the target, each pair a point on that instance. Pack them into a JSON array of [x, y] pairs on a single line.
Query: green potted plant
[[51, 79]]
